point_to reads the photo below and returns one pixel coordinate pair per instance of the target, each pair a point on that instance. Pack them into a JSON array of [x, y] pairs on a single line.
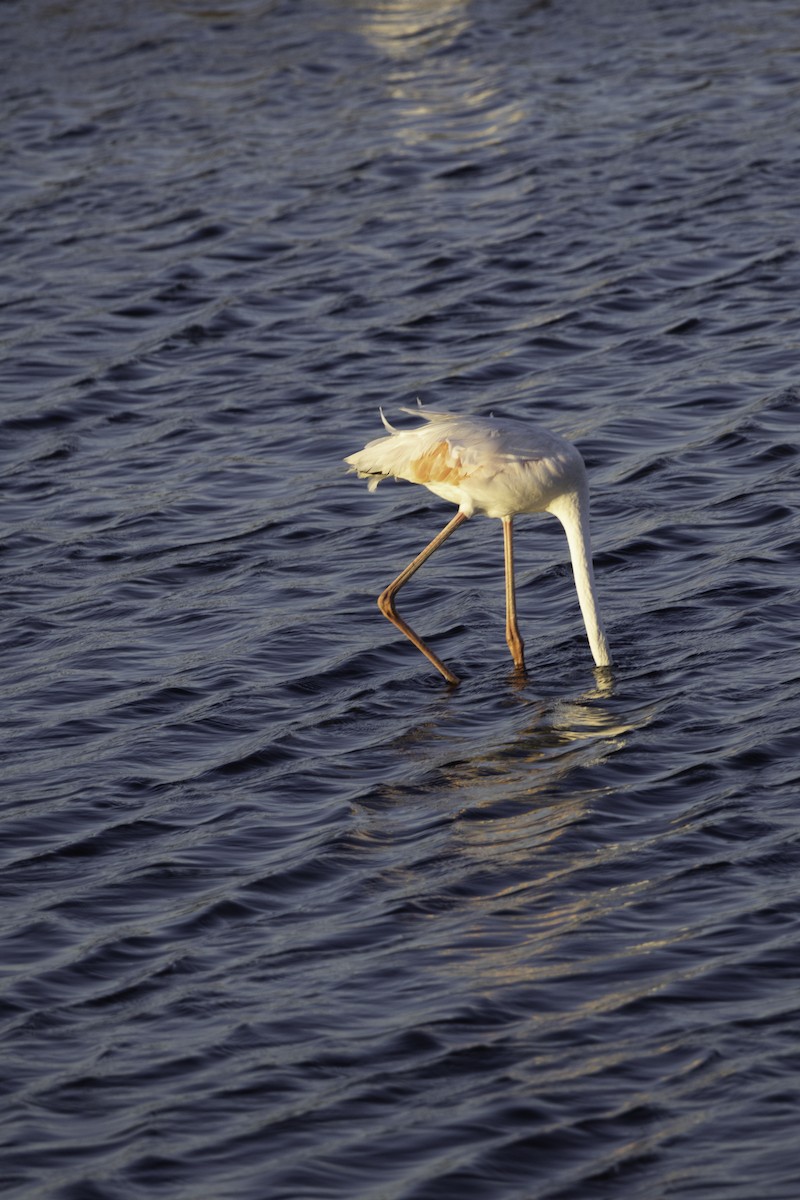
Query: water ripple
[[282, 914]]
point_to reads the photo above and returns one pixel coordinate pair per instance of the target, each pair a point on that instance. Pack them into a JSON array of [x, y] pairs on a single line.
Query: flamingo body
[[500, 468]]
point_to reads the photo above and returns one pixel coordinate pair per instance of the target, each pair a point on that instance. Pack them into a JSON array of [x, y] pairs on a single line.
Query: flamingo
[[501, 468]]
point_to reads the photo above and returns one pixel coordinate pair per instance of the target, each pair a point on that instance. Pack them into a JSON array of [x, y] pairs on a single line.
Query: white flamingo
[[500, 468]]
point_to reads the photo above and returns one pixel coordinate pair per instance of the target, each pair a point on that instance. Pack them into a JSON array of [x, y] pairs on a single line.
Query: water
[[284, 916]]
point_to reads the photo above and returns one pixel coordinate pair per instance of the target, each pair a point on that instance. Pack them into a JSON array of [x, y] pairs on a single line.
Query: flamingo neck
[[572, 510]]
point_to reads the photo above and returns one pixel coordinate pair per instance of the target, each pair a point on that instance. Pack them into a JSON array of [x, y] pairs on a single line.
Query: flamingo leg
[[386, 598], [513, 636]]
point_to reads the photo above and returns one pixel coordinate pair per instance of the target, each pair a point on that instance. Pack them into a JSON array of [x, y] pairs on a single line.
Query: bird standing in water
[[500, 468]]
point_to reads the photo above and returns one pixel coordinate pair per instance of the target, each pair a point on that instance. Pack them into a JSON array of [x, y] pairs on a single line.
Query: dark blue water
[[283, 915]]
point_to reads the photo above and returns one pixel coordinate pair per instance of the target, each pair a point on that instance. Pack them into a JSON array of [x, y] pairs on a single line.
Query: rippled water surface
[[284, 916]]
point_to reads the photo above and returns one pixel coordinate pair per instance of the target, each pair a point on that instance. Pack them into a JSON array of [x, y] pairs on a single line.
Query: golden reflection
[[500, 787], [517, 799], [440, 93], [401, 28], [531, 764], [560, 739]]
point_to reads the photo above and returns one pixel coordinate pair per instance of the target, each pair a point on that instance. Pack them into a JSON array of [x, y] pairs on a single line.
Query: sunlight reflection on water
[[284, 915]]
